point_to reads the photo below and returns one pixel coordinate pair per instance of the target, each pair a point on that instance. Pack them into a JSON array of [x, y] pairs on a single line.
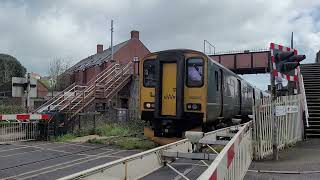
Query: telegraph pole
[[112, 41], [28, 92]]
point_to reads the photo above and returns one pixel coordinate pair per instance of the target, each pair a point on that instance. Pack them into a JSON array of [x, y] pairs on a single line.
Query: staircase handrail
[[90, 87], [117, 88], [100, 81], [65, 98], [90, 93], [54, 97]]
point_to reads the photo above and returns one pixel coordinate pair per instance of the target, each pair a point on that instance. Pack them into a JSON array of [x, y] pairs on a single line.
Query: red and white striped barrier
[[24, 117], [276, 73], [234, 160]]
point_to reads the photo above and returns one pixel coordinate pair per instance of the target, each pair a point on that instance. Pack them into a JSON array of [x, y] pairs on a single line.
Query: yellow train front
[[183, 89]]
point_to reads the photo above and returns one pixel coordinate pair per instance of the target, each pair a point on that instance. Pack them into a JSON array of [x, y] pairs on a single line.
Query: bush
[[11, 109]]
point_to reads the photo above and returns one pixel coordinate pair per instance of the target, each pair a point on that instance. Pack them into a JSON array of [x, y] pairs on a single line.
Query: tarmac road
[[48, 160]]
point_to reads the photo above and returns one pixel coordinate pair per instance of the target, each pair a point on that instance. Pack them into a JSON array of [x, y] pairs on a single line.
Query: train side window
[[149, 73], [216, 77], [195, 72]]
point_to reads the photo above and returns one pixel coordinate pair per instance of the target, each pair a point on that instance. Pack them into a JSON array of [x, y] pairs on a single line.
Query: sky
[[38, 31]]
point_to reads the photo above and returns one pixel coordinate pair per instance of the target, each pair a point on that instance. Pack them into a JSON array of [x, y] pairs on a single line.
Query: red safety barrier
[[24, 117]]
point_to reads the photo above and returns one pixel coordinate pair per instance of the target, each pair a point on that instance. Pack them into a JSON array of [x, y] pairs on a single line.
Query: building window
[[149, 73], [195, 72]]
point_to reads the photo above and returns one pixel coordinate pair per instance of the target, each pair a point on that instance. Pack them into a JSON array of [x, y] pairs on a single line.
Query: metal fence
[[18, 131], [234, 160], [289, 124], [90, 121]]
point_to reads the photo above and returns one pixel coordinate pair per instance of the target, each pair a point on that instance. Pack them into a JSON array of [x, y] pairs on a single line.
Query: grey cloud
[[37, 31]]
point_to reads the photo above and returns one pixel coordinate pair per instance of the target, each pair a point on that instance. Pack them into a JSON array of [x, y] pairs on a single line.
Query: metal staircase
[[311, 76], [76, 98]]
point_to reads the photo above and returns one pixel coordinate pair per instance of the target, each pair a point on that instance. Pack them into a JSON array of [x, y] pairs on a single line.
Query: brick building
[[124, 52]]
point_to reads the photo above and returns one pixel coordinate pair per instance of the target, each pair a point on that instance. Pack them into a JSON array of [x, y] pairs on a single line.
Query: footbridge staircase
[[311, 76], [76, 98]]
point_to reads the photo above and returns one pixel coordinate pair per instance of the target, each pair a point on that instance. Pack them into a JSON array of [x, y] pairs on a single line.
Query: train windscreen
[[195, 72], [149, 73]]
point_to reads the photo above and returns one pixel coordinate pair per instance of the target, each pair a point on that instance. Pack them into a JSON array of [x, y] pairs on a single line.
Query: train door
[[169, 86], [221, 87]]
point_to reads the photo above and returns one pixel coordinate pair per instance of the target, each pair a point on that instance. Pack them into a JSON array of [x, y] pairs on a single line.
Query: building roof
[[96, 59]]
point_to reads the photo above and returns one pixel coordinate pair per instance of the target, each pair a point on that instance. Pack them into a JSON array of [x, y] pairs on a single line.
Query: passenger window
[[195, 72], [149, 73], [216, 77]]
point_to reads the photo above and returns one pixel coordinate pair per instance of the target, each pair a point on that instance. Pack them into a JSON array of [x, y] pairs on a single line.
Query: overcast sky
[[36, 32]]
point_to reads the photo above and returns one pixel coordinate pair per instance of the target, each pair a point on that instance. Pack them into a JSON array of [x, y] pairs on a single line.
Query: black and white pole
[[273, 111]]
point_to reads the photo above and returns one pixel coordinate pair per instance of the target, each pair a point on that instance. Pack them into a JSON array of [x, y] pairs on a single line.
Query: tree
[[10, 67], [57, 68]]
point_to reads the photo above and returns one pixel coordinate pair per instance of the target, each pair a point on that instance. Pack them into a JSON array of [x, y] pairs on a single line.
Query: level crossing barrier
[[21, 127], [232, 162], [289, 123]]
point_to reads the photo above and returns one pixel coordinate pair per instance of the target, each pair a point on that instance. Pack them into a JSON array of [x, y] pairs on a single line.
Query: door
[[169, 85]]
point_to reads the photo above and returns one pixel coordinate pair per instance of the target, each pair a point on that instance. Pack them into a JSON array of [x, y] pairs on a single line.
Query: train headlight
[[149, 105], [193, 107]]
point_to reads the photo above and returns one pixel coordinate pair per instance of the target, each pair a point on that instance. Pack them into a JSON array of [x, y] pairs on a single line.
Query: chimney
[[99, 48], [134, 34]]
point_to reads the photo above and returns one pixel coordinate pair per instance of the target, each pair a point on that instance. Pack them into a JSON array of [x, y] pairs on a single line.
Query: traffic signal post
[[283, 64]]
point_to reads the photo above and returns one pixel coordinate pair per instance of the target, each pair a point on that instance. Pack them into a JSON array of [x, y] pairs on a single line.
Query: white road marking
[[60, 164]]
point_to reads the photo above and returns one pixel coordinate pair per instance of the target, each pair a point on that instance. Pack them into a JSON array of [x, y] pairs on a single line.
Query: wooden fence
[[289, 111]]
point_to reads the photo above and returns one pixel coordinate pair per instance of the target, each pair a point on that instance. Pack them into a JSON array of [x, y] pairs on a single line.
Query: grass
[[113, 129], [132, 128], [126, 142], [135, 143], [128, 135], [63, 138]]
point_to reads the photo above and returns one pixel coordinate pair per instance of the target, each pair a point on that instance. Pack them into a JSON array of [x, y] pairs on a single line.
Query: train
[[181, 89]]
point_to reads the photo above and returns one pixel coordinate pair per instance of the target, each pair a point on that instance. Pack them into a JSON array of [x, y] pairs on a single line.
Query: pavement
[[301, 161], [51, 160]]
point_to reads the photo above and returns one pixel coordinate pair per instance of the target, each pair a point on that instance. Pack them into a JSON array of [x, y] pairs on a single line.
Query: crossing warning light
[[287, 61]]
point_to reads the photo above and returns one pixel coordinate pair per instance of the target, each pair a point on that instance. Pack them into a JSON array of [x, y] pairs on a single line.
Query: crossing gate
[[231, 163], [21, 127], [289, 112]]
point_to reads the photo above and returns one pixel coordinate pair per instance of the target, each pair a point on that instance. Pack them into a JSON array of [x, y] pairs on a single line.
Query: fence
[[234, 160], [18, 131], [21, 127], [288, 121], [89, 122]]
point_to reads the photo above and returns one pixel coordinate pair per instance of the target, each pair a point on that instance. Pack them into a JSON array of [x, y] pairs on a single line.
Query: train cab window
[[194, 72], [149, 73]]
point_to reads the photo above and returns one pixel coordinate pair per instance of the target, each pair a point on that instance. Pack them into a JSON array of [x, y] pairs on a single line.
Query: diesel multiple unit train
[[183, 89]]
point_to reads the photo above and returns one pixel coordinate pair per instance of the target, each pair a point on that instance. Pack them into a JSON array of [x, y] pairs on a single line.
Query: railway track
[[55, 166]]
